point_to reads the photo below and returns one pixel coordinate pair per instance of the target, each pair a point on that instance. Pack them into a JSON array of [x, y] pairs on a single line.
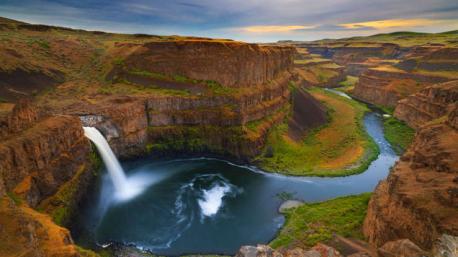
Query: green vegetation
[[86, 253], [40, 42], [129, 88], [339, 148], [350, 81], [118, 61], [348, 84], [213, 86], [191, 138], [310, 224], [312, 60], [398, 134], [61, 205], [16, 199]]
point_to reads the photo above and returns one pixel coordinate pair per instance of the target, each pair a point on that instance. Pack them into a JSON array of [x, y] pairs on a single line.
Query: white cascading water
[[111, 162]]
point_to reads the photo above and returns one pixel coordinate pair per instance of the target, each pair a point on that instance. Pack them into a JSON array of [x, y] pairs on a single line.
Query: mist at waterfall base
[[210, 206]]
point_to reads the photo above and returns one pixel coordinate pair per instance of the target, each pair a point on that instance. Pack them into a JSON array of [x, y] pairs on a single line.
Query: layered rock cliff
[[428, 104], [38, 155], [386, 85], [419, 199], [212, 124], [232, 64], [45, 163], [213, 117]]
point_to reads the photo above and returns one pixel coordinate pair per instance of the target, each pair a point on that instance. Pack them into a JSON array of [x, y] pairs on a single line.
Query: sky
[[246, 20]]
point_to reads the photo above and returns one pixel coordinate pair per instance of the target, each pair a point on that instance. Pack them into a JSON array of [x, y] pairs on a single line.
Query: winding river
[[208, 205]]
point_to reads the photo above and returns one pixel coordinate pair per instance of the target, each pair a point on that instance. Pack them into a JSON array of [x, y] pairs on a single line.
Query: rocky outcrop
[[21, 117], [428, 104], [44, 162], [320, 250], [232, 64], [385, 86], [42, 156], [419, 199], [26, 232], [401, 248]]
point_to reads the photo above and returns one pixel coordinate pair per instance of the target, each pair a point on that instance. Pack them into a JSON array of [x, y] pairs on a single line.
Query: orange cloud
[[395, 23]]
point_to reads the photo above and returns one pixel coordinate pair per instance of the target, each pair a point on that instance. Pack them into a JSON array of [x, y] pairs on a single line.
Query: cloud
[[250, 20], [396, 23], [275, 28]]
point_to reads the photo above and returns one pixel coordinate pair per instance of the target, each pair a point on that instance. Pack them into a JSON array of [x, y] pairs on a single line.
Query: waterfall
[[111, 162]]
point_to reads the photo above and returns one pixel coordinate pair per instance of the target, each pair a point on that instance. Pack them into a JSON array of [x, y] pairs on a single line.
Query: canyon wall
[[386, 87], [164, 124], [202, 122], [428, 104], [419, 199], [344, 54], [45, 163], [39, 154], [232, 64]]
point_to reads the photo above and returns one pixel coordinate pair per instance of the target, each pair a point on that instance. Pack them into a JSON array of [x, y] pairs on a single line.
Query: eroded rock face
[[401, 248], [320, 250], [387, 87], [419, 199], [189, 124], [446, 246], [34, 162], [26, 232], [21, 117], [233, 64], [428, 104]]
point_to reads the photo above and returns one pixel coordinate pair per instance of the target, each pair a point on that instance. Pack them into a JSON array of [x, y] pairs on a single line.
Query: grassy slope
[[340, 148], [309, 224], [398, 134], [348, 85]]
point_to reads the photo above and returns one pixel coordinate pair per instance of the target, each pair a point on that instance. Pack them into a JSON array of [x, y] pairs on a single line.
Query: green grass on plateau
[[312, 223]]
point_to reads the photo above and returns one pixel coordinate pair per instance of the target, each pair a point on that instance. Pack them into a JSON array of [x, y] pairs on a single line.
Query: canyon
[[170, 96]]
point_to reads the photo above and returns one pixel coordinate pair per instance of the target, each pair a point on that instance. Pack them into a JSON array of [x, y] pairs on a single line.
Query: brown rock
[[401, 248], [387, 86], [21, 117], [233, 64], [25, 232], [320, 250], [257, 251], [36, 161], [419, 200], [446, 246], [326, 251], [428, 104]]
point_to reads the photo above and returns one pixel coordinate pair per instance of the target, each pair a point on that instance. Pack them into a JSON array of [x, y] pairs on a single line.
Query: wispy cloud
[[397, 23], [275, 28], [249, 20]]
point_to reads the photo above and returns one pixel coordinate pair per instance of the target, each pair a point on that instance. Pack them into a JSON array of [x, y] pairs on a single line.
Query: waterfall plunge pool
[[207, 205]]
